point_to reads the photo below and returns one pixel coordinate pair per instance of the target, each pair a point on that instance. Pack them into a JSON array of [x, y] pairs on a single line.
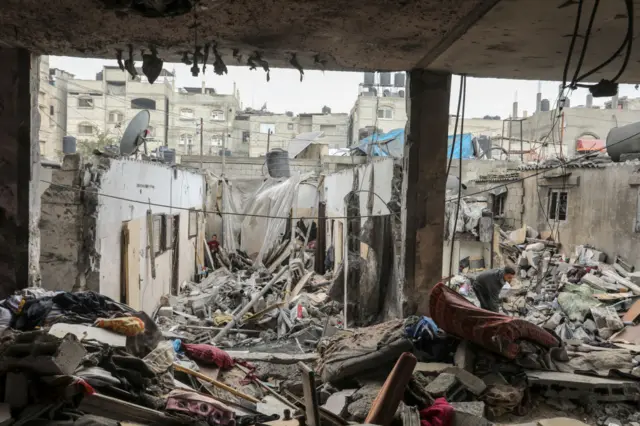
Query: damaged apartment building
[[590, 201], [128, 229], [136, 231]]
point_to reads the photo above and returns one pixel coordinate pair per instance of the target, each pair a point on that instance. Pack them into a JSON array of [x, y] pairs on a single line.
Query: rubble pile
[[242, 305]]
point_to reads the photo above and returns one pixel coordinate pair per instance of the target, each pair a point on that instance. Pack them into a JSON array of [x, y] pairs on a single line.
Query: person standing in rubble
[[488, 284], [213, 244]]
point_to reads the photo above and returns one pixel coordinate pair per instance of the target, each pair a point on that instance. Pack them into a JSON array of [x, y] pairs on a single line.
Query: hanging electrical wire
[[626, 42], [455, 127], [463, 90]]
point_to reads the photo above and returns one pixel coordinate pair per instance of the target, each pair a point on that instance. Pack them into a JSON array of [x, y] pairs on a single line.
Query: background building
[[381, 105], [255, 130]]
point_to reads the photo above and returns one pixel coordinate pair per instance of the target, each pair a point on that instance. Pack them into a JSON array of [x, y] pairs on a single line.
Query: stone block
[[165, 311], [42, 353], [475, 408], [441, 385], [473, 384]]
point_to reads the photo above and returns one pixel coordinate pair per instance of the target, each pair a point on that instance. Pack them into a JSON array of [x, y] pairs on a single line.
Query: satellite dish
[[135, 134]]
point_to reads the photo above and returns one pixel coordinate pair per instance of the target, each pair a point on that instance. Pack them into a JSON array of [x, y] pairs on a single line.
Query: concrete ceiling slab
[[529, 39], [331, 34]]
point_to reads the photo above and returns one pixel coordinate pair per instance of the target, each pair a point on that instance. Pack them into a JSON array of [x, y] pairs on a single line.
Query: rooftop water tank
[[369, 79], [69, 145], [623, 140], [278, 163], [544, 105], [385, 79]]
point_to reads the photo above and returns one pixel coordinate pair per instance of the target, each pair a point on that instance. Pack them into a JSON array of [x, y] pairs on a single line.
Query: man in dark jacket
[[488, 284]]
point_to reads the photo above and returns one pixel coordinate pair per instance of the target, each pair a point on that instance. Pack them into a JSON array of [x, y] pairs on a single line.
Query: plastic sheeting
[[260, 233], [468, 151], [267, 202], [469, 216]]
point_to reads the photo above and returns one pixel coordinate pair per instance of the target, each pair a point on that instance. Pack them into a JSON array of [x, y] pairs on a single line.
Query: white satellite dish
[[135, 134]]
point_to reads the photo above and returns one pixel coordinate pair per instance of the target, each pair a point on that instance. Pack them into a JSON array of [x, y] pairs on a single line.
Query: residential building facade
[[188, 107], [256, 132], [384, 110], [100, 110]]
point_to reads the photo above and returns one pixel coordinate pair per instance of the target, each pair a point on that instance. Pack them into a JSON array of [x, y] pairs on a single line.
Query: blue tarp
[[467, 147], [390, 144]]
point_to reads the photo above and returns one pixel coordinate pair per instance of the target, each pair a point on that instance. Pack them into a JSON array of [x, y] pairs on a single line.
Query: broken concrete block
[[469, 414], [475, 408], [594, 282], [612, 421], [337, 403], [441, 385], [533, 258], [82, 331], [523, 262], [464, 357], [474, 384], [634, 277], [535, 247], [590, 326], [432, 368], [165, 311], [553, 322], [45, 354]]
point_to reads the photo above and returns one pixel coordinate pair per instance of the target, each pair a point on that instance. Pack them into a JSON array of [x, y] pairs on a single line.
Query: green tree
[[102, 139]]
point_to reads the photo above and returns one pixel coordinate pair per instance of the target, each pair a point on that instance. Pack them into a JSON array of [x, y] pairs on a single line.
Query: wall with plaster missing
[[170, 191], [83, 232]]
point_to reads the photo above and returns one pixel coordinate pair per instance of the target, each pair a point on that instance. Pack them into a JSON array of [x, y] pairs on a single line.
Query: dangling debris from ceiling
[[151, 8], [152, 65], [294, 63], [218, 65], [256, 60], [129, 65]]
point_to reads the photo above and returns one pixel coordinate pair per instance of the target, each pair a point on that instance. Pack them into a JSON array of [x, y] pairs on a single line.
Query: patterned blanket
[[495, 332]]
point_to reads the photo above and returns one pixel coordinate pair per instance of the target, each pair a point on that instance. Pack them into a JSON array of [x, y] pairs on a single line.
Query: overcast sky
[[339, 90]]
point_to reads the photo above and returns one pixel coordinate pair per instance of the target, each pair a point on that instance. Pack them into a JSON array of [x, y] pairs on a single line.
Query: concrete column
[[424, 181], [19, 171]]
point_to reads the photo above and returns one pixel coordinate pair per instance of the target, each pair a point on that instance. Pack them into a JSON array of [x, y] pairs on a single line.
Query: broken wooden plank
[[276, 358], [216, 383]]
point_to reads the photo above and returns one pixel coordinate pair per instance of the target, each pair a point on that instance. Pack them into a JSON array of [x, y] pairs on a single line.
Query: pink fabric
[[439, 414], [208, 354]]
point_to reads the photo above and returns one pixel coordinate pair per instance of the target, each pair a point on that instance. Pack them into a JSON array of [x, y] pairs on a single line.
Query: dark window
[[558, 202], [245, 137], [52, 110], [168, 232], [143, 103], [499, 202]]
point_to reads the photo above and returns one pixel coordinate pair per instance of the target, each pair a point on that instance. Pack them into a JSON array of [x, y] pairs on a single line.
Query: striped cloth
[[495, 332]]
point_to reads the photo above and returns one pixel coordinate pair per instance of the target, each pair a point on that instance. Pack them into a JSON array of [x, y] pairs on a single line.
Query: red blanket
[[495, 332]]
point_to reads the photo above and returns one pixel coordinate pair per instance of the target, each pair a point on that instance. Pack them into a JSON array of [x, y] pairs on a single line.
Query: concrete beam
[[456, 32], [424, 184], [19, 123]]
